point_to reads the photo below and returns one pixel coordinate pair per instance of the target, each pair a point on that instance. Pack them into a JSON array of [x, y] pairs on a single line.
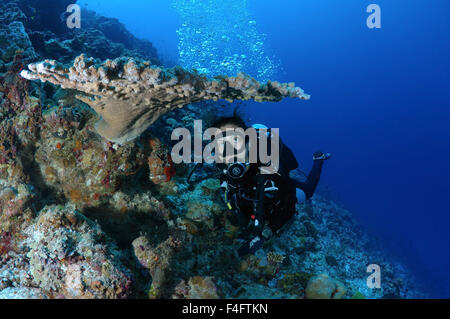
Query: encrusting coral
[[156, 260], [324, 287], [70, 256], [196, 288], [160, 163], [130, 95]]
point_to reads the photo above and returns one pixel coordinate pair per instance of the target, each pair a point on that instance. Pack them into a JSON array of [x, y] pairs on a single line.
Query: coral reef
[[157, 260], [104, 37], [38, 28], [160, 163], [94, 167], [20, 119], [84, 217], [70, 256], [130, 95], [196, 288], [19, 42], [294, 284], [203, 204]]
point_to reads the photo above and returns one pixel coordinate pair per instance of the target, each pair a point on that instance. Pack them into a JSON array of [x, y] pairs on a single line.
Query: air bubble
[[222, 39]]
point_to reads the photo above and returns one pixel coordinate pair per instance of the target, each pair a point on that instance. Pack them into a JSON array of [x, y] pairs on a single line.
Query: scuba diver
[[261, 204]]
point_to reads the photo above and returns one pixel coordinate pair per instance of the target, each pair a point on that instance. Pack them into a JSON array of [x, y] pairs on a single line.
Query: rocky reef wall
[[38, 28]]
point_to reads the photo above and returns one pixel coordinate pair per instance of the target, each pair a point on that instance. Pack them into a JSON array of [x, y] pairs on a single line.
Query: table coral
[[130, 95]]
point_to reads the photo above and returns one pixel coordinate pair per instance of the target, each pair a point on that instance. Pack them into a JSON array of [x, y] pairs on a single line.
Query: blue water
[[380, 104]]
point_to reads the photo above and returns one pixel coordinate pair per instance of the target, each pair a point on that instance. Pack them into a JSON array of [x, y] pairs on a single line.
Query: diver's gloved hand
[[321, 156], [251, 246], [267, 233]]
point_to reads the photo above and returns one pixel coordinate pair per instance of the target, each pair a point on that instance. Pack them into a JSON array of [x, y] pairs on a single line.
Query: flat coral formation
[[130, 95]]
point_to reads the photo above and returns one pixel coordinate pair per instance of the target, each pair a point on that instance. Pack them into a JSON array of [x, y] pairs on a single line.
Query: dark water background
[[380, 104]]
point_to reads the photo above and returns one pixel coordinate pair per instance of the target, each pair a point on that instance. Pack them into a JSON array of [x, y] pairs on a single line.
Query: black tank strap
[[259, 202]]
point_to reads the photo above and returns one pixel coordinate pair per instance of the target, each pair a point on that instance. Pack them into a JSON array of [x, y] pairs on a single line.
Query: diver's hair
[[235, 119]]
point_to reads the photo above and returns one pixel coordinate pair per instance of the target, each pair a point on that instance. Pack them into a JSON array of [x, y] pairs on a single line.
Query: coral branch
[[130, 95]]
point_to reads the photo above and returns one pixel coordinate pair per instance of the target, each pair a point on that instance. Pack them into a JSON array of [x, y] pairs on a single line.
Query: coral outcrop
[[157, 260], [196, 288], [130, 95], [160, 163], [104, 37], [204, 204], [69, 152], [324, 287], [14, 39], [19, 122], [70, 256]]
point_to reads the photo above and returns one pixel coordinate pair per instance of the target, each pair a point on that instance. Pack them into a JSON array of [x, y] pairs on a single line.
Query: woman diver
[[261, 204]]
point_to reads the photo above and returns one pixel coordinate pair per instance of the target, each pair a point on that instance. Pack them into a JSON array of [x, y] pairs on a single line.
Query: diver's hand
[[251, 246], [321, 156]]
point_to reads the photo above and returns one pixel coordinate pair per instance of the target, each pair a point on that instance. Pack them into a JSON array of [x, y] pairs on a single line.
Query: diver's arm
[[309, 187]]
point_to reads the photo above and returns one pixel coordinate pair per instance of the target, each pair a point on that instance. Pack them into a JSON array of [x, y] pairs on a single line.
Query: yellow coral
[[275, 259]]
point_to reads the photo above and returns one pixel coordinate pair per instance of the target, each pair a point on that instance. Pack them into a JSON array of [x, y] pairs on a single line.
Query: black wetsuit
[[310, 185], [270, 199]]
